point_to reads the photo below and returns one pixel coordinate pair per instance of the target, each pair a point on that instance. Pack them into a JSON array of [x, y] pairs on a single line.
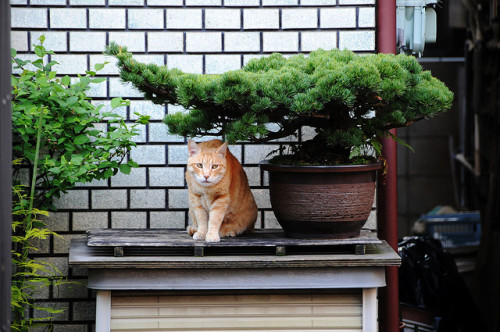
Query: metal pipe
[[5, 166], [387, 199]]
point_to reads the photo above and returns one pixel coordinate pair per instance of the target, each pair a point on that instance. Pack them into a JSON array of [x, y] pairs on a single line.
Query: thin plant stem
[[29, 223]]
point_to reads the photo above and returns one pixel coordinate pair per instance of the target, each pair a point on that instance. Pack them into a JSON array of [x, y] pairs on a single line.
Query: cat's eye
[[199, 165], [214, 166]]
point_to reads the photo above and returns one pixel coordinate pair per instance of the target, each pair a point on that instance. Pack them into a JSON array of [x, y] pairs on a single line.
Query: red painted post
[[387, 197]]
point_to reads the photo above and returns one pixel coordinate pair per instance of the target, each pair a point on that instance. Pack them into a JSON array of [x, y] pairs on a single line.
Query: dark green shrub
[[350, 100]]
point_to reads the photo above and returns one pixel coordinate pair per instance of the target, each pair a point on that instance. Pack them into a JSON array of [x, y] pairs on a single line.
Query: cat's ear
[[222, 149], [193, 148]]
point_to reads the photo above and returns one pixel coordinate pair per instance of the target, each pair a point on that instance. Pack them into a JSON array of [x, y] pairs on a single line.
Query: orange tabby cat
[[220, 200]]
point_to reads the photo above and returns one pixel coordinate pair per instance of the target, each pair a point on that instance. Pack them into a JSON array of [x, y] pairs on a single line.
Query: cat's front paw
[[198, 236], [212, 237], [191, 230]]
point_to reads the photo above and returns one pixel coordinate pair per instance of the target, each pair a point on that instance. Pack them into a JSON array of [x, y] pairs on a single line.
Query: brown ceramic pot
[[322, 201]]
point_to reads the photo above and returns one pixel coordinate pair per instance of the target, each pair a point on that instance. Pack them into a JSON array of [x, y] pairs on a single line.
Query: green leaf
[[116, 102], [76, 159], [99, 80], [13, 52], [66, 80], [99, 66], [81, 139], [125, 169]]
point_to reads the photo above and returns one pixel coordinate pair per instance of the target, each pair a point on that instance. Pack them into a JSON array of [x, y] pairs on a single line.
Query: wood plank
[[179, 238], [377, 255]]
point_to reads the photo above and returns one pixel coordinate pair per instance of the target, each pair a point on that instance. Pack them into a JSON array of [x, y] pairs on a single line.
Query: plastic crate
[[454, 230]]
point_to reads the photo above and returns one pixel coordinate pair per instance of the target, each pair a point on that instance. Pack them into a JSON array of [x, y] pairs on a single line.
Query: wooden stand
[[152, 262]]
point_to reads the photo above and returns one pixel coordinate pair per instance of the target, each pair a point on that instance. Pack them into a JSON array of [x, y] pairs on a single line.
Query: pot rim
[[266, 165]]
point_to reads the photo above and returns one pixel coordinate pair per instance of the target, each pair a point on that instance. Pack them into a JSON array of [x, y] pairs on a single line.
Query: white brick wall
[[196, 36]]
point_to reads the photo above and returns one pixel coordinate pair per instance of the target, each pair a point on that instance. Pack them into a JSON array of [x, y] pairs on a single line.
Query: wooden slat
[[83, 256], [273, 312], [179, 238]]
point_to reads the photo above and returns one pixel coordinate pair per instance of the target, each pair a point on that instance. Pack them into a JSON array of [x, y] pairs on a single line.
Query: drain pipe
[[387, 196]]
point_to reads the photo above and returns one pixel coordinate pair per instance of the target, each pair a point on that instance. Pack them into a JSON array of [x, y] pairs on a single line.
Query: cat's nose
[[206, 177]]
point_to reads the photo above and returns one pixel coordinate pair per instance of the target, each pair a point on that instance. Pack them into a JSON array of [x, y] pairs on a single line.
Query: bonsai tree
[[351, 101]]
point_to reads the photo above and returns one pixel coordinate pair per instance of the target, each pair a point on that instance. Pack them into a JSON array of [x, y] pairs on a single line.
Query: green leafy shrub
[[57, 144], [352, 101], [73, 149]]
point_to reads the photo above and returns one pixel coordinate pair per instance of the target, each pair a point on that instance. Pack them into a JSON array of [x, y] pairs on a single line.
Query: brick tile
[[158, 133], [62, 242], [126, 2], [68, 18], [83, 310], [312, 40], [280, 2], [48, 2], [184, 18], [242, 3], [135, 41], [148, 154], [203, 42], [128, 219], [97, 90], [87, 2], [73, 199], [300, 18], [221, 63], [165, 41], [145, 19], [187, 63], [242, 42], [338, 17], [63, 315], [146, 107], [222, 19], [28, 18], [108, 18], [258, 152], [167, 219], [366, 17], [87, 41], [72, 289], [166, 176], [57, 221], [270, 221], [317, 3], [262, 198], [281, 41], [147, 199], [109, 69], [357, 40], [70, 63], [56, 41], [163, 3], [136, 178], [203, 2], [178, 199], [117, 88], [83, 221], [109, 199], [177, 154], [19, 40], [356, 2], [260, 18]]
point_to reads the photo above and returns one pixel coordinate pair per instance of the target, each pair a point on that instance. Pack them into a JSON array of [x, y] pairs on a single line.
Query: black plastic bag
[[429, 279]]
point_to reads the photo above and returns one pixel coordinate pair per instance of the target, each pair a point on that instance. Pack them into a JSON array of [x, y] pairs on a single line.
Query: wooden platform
[[143, 242]]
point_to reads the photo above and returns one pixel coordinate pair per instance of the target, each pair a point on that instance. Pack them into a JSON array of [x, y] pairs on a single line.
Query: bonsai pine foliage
[[351, 100]]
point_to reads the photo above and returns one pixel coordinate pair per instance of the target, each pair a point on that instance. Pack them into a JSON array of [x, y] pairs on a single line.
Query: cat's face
[[207, 165]]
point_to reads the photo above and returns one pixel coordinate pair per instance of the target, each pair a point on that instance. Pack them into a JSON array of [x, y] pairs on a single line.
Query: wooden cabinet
[[323, 289]]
